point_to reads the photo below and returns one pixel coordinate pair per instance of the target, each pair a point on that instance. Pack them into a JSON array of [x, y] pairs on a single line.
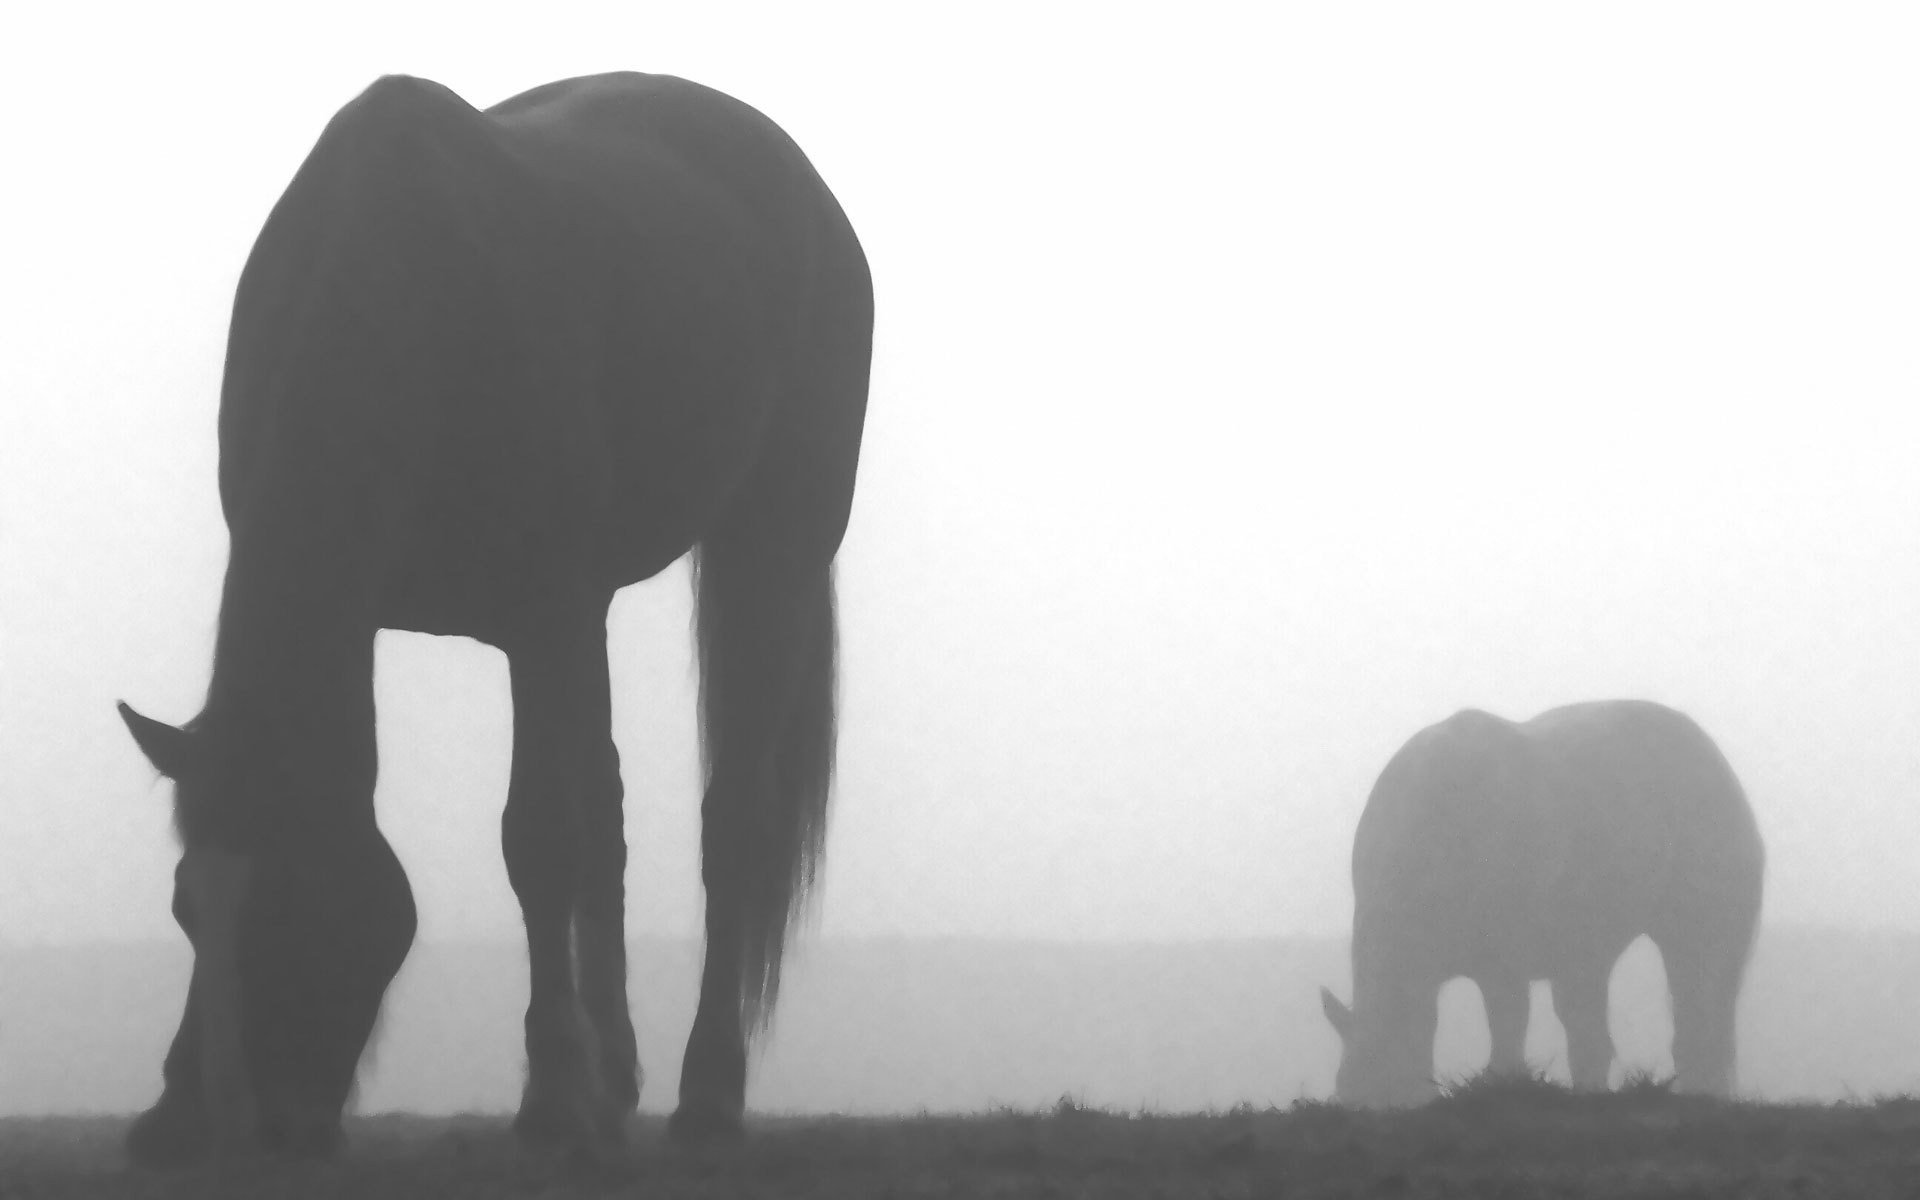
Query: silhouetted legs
[[174, 1131], [1580, 1001], [713, 1075], [566, 856], [600, 935], [1705, 983], [766, 631], [1506, 1000]]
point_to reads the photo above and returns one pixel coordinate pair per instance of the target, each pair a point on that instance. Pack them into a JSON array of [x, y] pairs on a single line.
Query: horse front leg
[[1580, 1001], [174, 1132], [600, 925], [1506, 998], [555, 834]]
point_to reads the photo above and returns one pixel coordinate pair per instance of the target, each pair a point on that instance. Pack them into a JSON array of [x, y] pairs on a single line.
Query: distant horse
[[1510, 852], [484, 370]]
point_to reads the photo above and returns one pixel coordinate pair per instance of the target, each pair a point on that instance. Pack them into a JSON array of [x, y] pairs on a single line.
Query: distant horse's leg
[[767, 644], [1705, 934], [1580, 1001], [557, 801], [1703, 975], [1506, 998]]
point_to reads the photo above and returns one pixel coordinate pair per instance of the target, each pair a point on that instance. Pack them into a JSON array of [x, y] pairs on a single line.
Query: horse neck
[[293, 670], [1392, 965]]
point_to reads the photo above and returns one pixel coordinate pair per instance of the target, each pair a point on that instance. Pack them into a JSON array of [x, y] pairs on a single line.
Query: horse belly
[[1506, 925]]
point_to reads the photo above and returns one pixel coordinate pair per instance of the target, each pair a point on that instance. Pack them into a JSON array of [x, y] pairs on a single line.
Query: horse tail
[[1751, 867], [768, 643]]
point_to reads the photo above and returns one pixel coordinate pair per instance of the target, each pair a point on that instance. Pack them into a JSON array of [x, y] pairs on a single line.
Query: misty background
[[1253, 386]]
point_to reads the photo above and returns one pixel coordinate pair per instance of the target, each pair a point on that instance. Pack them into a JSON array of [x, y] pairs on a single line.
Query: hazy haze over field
[[885, 1025], [1251, 389]]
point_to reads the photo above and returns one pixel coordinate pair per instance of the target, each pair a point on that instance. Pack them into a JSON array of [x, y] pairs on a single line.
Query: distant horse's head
[[299, 917], [1386, 1057]]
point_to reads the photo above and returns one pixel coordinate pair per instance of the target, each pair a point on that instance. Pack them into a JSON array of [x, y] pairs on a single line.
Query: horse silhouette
[[485, 369], [1508, 852]]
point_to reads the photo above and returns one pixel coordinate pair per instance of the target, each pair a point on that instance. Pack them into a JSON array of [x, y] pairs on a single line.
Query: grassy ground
[[1485, 1140]]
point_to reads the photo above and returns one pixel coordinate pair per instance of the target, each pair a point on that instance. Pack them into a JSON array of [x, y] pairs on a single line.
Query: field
[[1485, 1140]]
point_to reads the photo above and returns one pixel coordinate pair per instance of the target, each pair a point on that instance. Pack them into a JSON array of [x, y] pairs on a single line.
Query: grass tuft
[[1490, 1090], [1644, 1083]]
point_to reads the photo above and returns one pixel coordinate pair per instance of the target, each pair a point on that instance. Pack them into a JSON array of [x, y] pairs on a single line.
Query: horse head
[[1386, 1057], [297, 926]]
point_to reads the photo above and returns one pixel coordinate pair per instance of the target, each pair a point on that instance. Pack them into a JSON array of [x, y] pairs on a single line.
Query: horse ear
[[171, 751], [1338, 1014]]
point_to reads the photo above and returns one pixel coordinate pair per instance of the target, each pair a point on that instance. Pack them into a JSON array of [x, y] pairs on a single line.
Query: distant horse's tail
[[768, 648]]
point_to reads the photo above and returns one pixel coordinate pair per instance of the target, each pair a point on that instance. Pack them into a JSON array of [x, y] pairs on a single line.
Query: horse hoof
[[550, 1126], [304, 1140], [611, 1127], [168, 1135], [704, 1126]]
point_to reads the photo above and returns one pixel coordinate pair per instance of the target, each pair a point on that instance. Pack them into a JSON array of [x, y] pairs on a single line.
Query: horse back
[[559, 336]]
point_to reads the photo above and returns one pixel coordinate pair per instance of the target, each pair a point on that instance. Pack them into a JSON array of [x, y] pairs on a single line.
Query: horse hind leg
[[1704, 974], [561, 834], [1580, 1001], [767, 692]]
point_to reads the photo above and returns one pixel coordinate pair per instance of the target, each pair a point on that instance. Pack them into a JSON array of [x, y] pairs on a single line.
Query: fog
[[1252, 388], [958, 1025]]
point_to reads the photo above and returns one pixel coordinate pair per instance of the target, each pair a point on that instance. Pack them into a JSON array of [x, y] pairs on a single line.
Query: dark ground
[[1487, 1140]]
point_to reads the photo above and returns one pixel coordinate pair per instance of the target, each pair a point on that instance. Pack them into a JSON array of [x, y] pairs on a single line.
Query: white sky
[[1253, 386]]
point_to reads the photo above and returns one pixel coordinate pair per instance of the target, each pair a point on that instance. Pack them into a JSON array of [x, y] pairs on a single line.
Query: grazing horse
[[484, 370], [1508, 852]]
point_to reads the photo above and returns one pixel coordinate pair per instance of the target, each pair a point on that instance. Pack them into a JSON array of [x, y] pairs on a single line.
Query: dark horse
[[484, 370], [1508, 852]]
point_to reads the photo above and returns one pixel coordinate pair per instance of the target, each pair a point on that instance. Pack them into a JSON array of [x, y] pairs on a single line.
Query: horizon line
[[1791, 928]]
